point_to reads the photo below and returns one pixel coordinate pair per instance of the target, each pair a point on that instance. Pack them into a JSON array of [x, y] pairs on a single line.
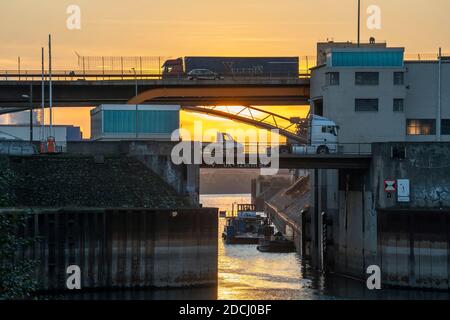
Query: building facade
[[374, 95]]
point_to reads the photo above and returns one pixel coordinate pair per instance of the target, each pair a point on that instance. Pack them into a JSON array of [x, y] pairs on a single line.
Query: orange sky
[[174, 28], [209, 27]]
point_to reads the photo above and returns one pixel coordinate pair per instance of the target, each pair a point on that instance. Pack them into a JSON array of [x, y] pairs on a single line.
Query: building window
[[399, 78], [445, 127], [367, 78], [366, 105], [398, 105], [421, 127], [333, 78]]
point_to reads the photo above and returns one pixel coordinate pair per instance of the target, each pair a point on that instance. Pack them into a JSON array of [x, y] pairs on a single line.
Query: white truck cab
[[322, 137]]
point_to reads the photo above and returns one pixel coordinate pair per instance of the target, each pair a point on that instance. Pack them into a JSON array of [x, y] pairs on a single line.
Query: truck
[[232, 67], [321, 134]]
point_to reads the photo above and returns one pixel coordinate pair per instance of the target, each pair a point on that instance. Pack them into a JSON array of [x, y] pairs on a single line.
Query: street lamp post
[[30, 97], [359, 23], [135, 82], [135, 94]]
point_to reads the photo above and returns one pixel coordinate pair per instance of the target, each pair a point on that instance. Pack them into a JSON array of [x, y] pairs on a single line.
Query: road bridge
[[81, 93]]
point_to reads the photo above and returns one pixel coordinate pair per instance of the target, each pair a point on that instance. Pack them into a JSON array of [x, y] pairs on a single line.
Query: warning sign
[[390, 186]]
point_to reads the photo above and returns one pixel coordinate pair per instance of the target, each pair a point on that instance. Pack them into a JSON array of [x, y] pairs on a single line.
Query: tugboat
[[246, 227], [276, 244]]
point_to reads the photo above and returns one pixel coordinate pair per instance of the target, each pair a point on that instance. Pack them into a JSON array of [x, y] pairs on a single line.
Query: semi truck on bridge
[[320, 136], [320, 133], [224, 67]]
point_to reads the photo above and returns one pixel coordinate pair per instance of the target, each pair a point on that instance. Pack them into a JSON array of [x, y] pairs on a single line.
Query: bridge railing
[[359, 149], [70, 75], [342, 149], [95, 75], [30, 75]]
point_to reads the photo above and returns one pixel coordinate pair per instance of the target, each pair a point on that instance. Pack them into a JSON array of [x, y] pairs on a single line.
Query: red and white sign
[[390, 185]]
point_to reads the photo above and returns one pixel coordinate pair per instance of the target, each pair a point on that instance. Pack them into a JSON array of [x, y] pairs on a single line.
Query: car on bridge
[[203, 74]]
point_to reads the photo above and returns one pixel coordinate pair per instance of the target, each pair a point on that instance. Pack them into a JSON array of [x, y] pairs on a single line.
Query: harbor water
[[247, 274]]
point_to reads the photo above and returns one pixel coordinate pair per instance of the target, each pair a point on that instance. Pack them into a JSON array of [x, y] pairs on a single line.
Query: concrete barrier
[[123, 248]]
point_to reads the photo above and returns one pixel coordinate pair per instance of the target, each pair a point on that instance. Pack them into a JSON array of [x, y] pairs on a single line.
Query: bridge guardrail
[[359, 149], [343, 149], [17, 148], [95, 75]]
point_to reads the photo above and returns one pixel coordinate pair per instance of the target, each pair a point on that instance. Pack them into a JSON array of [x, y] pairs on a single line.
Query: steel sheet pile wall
[[414, 248], [414, 234], [125, 248]]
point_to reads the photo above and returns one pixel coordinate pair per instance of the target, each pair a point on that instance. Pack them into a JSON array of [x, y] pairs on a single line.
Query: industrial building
[[394, 215], [375, 95], [134, 122]]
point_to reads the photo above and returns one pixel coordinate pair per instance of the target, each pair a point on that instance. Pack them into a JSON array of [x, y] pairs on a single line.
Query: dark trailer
[[283, 67]]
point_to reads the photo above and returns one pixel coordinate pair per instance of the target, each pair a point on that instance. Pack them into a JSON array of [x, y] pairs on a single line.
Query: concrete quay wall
[[122, 248]]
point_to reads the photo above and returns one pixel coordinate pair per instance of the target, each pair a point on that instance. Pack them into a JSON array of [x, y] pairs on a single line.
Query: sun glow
[[81, 117]]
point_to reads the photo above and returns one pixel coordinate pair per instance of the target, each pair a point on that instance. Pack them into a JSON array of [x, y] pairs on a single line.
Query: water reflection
[[245, 273]]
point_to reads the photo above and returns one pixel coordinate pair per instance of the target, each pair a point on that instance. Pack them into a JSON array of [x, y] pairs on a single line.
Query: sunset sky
[[207, 27]]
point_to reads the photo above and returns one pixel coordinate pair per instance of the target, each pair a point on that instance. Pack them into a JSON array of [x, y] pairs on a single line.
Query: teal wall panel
[[158, 121], [119, 121], [142, 121], [368, 59]]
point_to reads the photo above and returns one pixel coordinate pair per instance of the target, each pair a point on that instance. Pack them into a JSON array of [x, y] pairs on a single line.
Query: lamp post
[[30, 97], [135, 94], [135, 81], [359, 23]]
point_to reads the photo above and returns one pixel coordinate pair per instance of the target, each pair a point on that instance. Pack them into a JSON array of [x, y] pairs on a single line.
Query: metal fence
[[121, 65], [341, 149], [424, 56], [17, 148], [109, 68]]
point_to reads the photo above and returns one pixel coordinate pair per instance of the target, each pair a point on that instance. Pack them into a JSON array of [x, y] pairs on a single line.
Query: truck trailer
[[233, 67]]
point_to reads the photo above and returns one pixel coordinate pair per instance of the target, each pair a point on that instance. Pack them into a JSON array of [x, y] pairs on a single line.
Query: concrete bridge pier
[[341, 227]]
